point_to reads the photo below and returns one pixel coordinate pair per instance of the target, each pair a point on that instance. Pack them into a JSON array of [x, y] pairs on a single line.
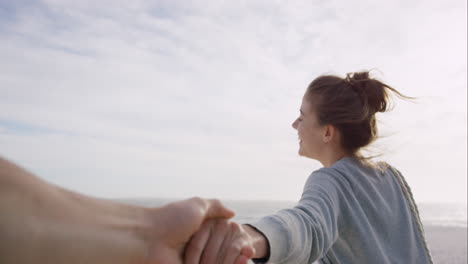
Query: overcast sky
[[180, 98]]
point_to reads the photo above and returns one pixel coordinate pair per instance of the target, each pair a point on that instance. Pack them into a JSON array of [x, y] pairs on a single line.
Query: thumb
[[215, 209]]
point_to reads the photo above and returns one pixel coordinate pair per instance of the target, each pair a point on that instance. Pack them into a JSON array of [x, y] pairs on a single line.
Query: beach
[[448, 245]]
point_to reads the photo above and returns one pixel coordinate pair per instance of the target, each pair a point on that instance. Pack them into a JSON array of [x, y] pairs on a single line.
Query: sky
[[141, 99]]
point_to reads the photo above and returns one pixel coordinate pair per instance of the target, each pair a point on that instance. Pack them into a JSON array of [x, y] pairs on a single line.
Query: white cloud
[[204, 92]]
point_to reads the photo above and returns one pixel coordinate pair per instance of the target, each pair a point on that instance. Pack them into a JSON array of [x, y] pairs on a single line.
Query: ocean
[[445, 224]]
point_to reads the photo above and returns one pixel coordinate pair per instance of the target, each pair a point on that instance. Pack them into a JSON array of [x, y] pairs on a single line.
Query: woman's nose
[[294, 124]]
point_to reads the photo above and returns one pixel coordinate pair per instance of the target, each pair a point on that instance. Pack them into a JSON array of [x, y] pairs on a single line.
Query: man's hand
[[176, 223], [44, 223]]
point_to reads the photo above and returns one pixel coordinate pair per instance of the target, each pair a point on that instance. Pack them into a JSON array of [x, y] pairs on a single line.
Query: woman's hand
[[220, 241]]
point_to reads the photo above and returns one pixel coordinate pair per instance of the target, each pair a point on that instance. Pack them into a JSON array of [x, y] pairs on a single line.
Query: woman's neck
[[332, 156]]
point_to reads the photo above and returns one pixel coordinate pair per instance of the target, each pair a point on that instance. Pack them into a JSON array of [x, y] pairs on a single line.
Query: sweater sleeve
[[304, 233]]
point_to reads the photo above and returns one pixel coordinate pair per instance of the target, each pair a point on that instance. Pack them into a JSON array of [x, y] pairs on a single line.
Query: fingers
[[216, 209], [213, 248], [240, 256], [232, 245], [231, 255], [248, 251], [219, 241], [209, 208], [241, 259], [197, 243]]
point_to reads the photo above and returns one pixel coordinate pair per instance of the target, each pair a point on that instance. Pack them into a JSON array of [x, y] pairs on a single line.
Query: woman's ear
[[329, 133]]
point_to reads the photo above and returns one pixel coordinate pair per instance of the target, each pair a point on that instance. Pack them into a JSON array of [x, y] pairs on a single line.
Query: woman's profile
[[352, 210]]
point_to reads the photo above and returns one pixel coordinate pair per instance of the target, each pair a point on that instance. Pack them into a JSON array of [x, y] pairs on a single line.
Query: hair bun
[[358, 76], [371, 91]]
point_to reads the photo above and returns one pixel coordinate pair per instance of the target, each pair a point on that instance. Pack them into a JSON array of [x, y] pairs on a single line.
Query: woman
[[351, 210]]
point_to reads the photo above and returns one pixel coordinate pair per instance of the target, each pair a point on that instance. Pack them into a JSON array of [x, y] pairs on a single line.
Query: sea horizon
[[442, 214]]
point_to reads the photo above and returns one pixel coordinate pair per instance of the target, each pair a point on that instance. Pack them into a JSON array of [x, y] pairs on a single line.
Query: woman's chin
[[301, 152], [304, 154]]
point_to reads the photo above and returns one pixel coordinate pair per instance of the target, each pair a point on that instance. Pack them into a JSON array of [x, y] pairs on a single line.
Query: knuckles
[[235, 227], [222, 224]]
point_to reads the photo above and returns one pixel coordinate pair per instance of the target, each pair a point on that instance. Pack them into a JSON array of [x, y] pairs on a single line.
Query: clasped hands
[[45, 223], [199, 231], [220, 241]]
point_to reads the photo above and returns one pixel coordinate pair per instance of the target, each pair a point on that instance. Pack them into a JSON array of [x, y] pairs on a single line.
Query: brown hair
[[350, 105]]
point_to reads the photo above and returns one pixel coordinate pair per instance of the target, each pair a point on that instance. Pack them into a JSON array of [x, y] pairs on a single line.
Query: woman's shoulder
[[361, 164], [338, 174], [348, 169]]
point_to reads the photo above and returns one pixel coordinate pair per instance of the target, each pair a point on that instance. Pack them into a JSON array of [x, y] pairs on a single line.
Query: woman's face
[[309, 130]]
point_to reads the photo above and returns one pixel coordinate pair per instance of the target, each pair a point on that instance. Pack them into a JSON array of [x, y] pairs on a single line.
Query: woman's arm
[[298, 235], [304, 233]]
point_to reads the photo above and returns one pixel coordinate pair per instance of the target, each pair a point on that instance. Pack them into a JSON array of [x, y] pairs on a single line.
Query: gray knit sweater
[[348, 213]]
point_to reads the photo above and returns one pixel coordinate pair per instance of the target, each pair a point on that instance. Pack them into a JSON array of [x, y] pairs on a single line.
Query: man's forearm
[[43, 223], [38, 220]]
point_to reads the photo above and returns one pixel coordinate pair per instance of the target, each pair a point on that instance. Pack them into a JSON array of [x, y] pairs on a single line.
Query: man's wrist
[[107, 231]]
